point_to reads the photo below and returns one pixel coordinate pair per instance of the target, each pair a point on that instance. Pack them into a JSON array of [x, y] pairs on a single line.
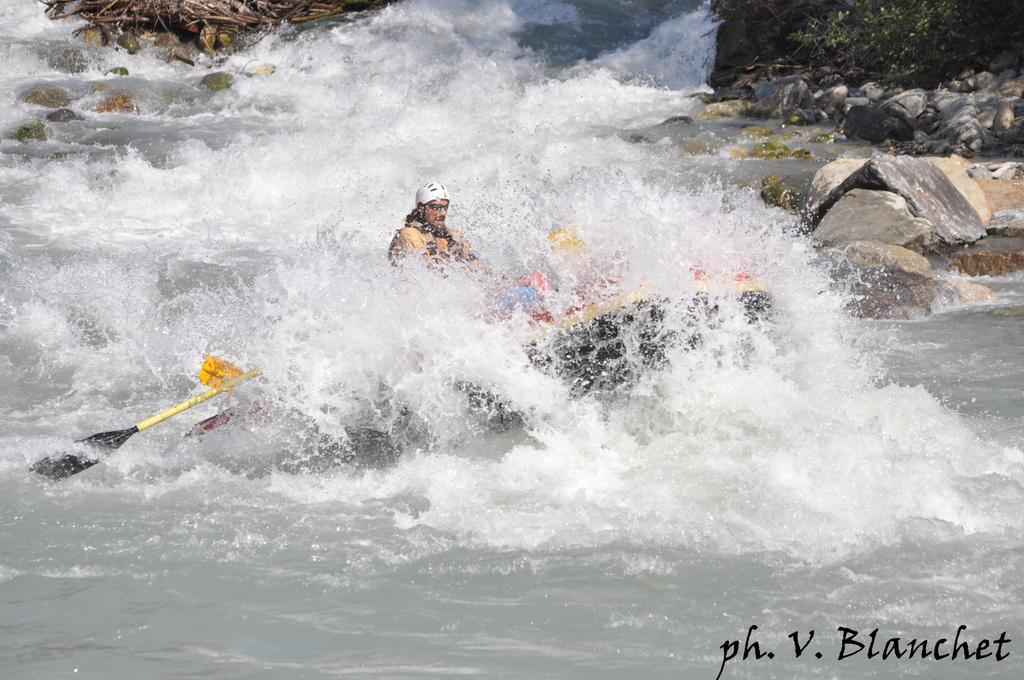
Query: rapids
[[815, 472]]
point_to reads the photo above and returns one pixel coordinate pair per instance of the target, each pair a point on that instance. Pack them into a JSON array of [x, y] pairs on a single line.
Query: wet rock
[[877, 216], [725, 94], [129, 43], [958, 85], [1007, 171], [967, 133], [828, 178], [215, 82], [939, 147], [166, 39], [960, 125], [182, 54], [118, 71], [674, 120], [697, 147], [96, 88], [833, 101], [772, 150], [907, 105], [269, 69], [733, 46], [1007, 223], [962, 291], [892, 294], [93, 36], [929, 120], [875, 254], [225, 40], [777, 192], [928, 192], [955, 169], [800, 117], [989, 263], [831, 80], [733, 108], [62, 116], [48, 96], [779, 95], [1004, 115], [852, 101], [1013, 87], [873, 91], [122, 102], [823, 138], [29, 132], [208, 39], [987, 116], [876, 125], [948, 103], [67, 59], [985, 80]]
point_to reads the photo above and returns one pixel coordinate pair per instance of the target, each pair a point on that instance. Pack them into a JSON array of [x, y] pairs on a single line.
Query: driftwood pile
[[200, 18]]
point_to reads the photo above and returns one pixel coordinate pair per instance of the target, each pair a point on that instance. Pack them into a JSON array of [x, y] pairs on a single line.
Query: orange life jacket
[[416, 238]]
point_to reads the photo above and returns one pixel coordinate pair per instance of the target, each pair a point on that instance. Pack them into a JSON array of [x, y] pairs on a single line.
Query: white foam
[[263, 236], [678, 53]]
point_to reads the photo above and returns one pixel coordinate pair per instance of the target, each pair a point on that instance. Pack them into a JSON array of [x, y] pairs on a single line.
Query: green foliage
[[901, 41], [920, 41]]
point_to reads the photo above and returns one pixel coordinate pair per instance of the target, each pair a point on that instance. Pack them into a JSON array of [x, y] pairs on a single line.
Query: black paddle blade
[[62, 467], [109, 440]]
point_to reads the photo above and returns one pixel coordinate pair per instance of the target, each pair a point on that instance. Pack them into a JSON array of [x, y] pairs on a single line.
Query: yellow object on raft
[[216, 370]]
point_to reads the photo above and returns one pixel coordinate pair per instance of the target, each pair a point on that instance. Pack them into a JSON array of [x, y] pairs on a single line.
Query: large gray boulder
[[869, 215], [883, 281], [1008, 223], [833, 100], [876, 124], [907, 105], [776, 96], [959, 123], [889, 282], [928, 192], [893, 294], [877, 255]]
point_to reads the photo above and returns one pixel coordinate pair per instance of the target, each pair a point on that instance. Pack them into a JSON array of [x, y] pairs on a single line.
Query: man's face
[[436, 212]]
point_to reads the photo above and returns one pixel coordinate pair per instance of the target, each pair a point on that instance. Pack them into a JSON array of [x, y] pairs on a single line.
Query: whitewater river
[[812, 473]]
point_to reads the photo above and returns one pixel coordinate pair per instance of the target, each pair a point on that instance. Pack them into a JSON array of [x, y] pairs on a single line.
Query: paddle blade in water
[[62, 467], [109, 440]]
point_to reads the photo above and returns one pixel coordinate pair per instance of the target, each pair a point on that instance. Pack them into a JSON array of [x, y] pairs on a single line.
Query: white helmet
[[431, 191]]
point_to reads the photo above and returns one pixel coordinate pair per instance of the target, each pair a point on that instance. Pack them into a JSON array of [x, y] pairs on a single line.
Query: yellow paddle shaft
[[196, 400]]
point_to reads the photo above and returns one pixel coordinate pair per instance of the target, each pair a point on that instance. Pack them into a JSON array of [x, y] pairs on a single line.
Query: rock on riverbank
[[876, 217]]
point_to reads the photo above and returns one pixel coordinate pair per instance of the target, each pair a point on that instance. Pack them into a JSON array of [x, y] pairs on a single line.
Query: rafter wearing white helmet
[[426, 233], [431, 191]]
